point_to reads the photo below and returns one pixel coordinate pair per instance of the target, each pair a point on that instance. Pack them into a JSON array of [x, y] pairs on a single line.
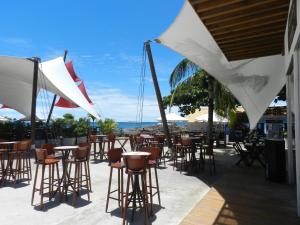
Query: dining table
[[65, 179]]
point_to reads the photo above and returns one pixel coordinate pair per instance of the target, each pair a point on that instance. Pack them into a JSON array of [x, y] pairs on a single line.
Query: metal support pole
[[158, 94], [34, 95], [54, 97]]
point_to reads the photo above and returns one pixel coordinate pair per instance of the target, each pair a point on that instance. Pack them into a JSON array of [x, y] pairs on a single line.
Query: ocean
[[132, 125]]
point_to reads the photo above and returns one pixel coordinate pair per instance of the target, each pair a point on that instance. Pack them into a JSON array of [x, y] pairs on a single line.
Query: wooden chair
[[94, 141], [19, 164], [110, 142], [152, 164], [50, 150], [115, 162], [209, 151], [46, 182], [136, 167], [81, 177], [243, 154]]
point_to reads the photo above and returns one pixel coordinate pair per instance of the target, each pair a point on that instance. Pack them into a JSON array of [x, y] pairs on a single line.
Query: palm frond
[[183, 70]]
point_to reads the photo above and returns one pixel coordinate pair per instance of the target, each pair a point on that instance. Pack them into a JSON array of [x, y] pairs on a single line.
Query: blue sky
[[104, 40]]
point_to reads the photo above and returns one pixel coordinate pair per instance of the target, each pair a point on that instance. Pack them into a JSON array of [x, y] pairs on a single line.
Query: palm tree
[[219, 97]]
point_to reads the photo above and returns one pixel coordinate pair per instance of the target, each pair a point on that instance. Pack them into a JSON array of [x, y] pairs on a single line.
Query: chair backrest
[[23, 145], [111, 137], [160, 139], [186, 142], [49, 147], [82, 153], [154, 151], [93, 138], [41, 155], [3, 146], [135, 163], [132, 142], [114, 155]]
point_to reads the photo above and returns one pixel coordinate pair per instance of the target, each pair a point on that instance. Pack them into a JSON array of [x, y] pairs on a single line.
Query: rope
[[141, 89]]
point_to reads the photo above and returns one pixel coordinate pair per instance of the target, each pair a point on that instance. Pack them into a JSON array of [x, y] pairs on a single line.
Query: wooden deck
[[244, 197]]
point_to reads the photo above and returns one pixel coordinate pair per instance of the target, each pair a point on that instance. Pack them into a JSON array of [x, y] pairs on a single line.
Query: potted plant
[[81, 130], [107, 126]]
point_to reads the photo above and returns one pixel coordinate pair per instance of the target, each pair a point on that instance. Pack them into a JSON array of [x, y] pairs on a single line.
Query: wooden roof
[[245, 28]]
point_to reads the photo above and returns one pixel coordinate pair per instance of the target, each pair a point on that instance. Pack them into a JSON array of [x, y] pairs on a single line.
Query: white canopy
[[16, 76], [254, 82], [172, 117], [216, 118]]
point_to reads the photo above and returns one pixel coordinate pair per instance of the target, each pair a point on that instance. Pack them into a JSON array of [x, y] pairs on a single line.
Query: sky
[[104, 40]]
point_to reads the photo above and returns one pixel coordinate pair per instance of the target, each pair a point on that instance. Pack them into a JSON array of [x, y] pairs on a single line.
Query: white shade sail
[[254, 82], [16, 78], [172, 117], [216, 118]]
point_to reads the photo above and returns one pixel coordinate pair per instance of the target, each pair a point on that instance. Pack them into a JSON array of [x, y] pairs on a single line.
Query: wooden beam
[[210, 5], [253, 37], [245, 15], [250, 55], [239, 6], [158, 94], [268, 18], [253, 50], [242, 29], [274, 39], [259, 30], [35, 61], [255, 45]]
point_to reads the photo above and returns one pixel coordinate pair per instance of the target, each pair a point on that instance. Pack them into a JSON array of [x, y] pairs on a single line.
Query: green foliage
[[189, 85], [81, 127], [232, 119], [69, 127], [107, 126]]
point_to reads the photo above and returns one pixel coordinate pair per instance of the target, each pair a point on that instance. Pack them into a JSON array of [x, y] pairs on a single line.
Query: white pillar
[[290, 157], [297, 124]]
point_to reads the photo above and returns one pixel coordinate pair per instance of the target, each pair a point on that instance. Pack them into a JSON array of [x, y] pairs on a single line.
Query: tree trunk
[[210, 112]]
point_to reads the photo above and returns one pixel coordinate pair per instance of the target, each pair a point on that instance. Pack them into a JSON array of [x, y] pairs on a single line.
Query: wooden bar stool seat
[[115, 162], [51, 183]]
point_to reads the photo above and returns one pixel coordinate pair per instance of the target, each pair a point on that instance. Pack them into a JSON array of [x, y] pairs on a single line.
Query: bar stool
[[152, 164], [209, 151], [115, 162], [93, 139], [80, 180], [110, 141], [50, 150], [20, 156], [51, 181], [136, 166], [2, 164], [88, 145], [185, 151], [160, 142]]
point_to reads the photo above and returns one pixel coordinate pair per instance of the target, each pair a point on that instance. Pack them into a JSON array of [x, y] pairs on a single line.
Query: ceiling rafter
[[245, 28]]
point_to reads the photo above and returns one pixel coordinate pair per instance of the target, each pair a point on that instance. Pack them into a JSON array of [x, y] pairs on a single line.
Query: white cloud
[[113, 103]]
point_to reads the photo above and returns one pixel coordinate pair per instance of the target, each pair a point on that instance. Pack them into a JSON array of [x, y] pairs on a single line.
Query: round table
[[65, 150]]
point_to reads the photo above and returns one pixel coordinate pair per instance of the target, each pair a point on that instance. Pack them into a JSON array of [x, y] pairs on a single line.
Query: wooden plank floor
[[243, 197]]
